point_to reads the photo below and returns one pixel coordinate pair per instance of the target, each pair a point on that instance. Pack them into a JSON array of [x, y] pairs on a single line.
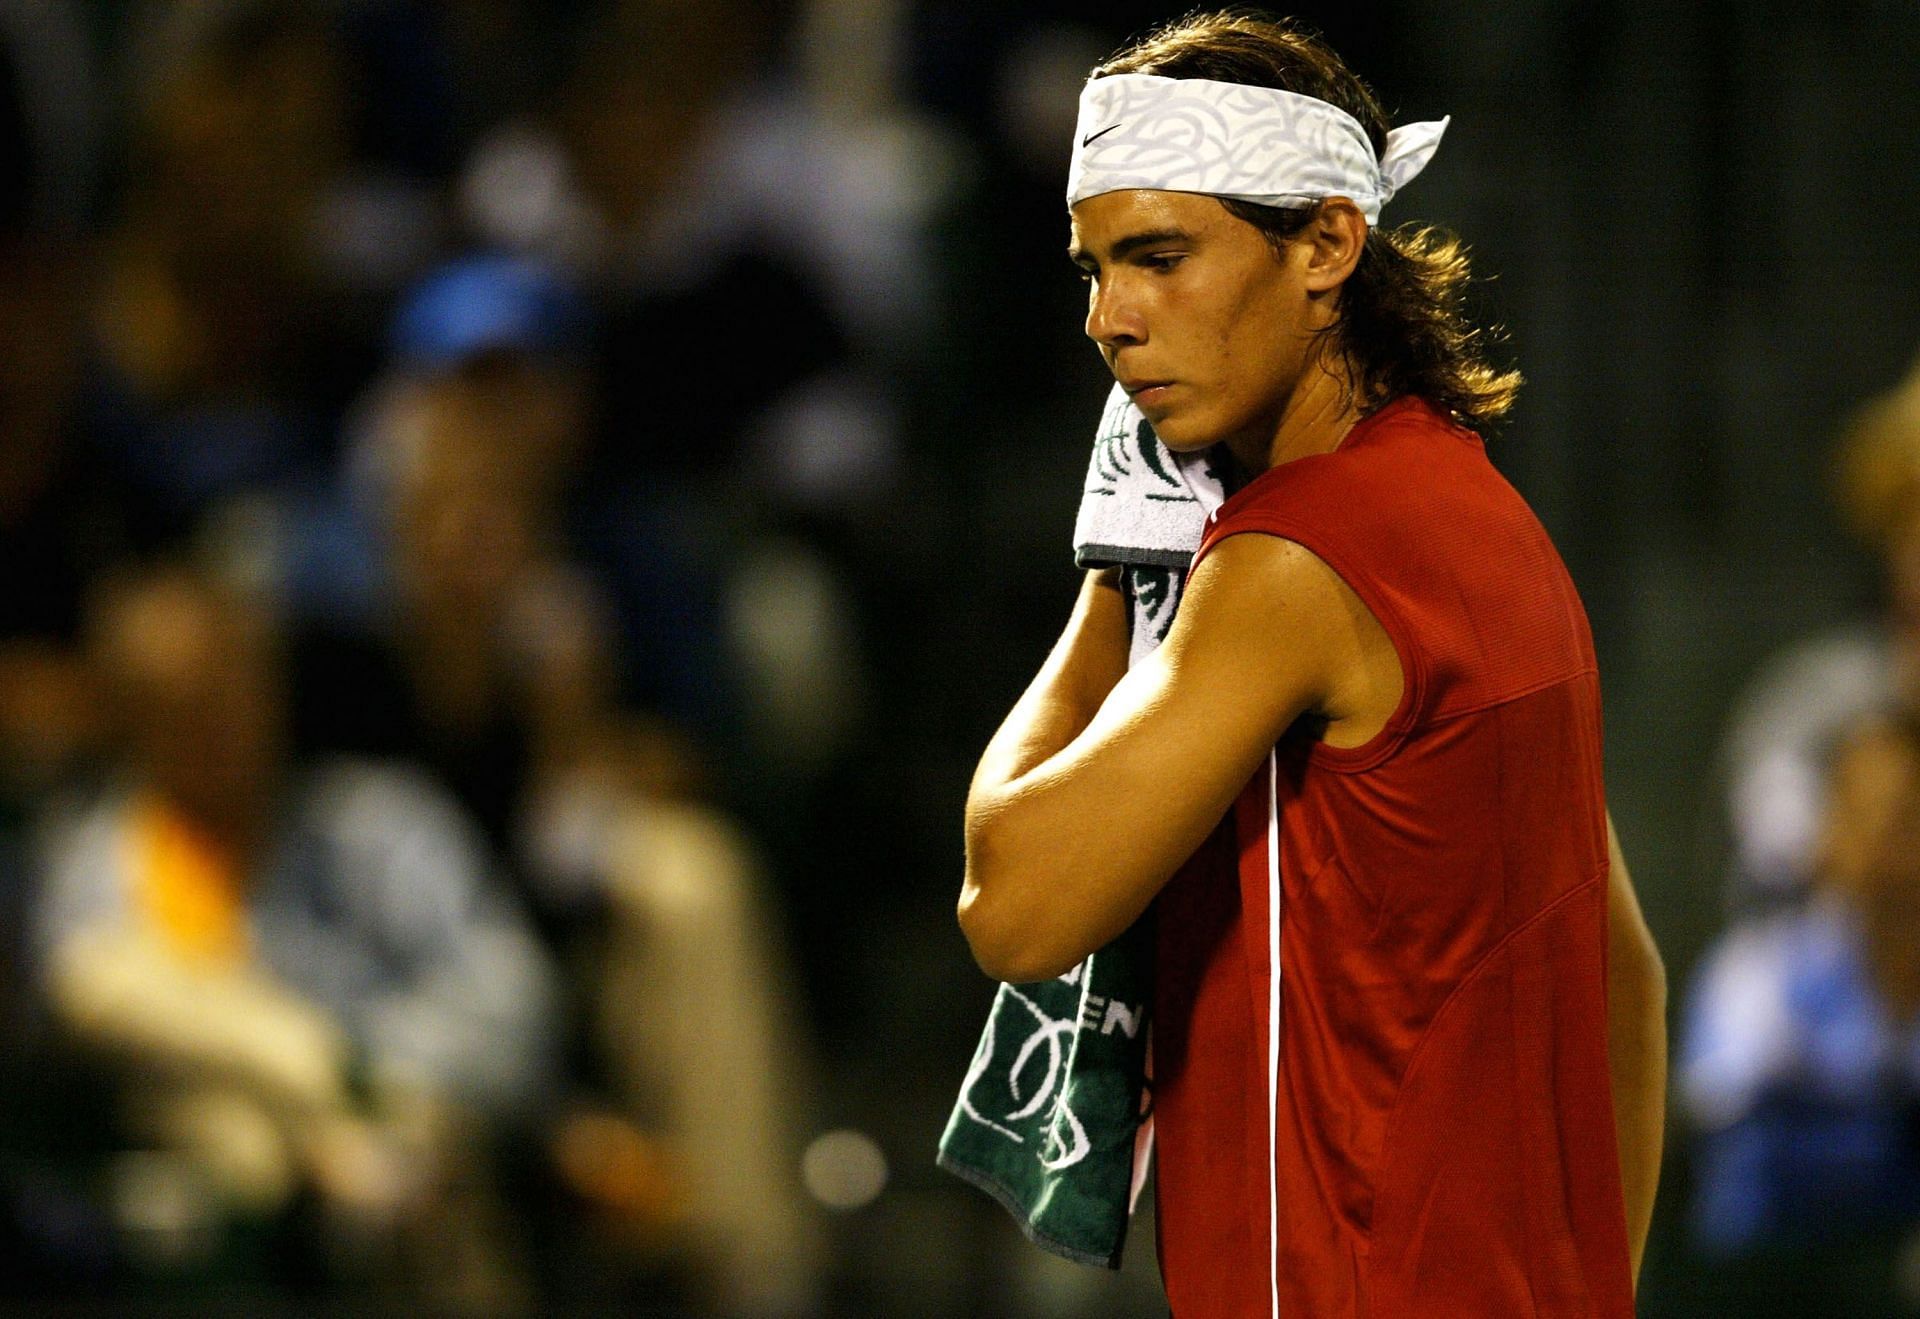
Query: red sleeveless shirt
[[1424, 1127]]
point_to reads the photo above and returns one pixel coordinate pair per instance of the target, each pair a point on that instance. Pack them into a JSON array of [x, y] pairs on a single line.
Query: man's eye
[[1084, 275], [1163, 261]]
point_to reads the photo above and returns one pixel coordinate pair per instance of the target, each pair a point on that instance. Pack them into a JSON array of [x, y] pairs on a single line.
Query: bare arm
[[1636, 1046], [1089, 799]]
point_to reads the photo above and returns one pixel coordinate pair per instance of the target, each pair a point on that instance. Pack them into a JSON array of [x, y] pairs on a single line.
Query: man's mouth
[[1146, 391]]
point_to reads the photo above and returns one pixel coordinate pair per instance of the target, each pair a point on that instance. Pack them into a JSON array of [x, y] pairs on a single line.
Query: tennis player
[[1408, 1040]]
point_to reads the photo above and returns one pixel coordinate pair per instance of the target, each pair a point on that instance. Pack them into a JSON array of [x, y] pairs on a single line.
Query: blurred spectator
[[489, 651], [706, 197], [696, 1015], [58, 528], [444, 612], [758, 247], [223, 350], [677, 140], [60, 524], [1801, 1049], [668, 172], [301, 972], [1802, 1052], [1787, 724]]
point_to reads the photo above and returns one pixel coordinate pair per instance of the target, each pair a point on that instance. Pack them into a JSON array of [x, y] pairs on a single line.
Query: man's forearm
[[1062, 699]]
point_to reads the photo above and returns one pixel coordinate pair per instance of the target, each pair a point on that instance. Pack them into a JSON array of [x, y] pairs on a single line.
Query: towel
[[1050, 1119], [1143, 509]]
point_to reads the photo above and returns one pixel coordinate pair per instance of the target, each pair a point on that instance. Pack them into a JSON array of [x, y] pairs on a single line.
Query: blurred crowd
[[1800, 1054], [429, 439]]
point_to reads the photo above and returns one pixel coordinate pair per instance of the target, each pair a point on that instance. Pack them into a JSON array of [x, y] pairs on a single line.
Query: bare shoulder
[[1272, 615], [1252, 583]]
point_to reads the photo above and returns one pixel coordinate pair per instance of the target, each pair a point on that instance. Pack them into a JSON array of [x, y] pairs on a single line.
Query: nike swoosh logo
[[1089, 138]]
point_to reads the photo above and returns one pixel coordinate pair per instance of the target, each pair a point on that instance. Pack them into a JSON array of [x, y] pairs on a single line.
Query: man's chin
[[1181, 434]]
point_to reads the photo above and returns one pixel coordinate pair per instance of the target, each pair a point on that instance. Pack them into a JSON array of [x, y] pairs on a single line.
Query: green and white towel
[[1050, 1116], [1143, 509]]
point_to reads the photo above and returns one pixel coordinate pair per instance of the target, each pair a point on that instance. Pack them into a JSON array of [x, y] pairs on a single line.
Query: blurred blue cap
[[489, 303]]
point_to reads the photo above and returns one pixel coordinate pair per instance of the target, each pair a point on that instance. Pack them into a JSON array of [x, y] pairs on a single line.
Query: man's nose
[[1113, 318]]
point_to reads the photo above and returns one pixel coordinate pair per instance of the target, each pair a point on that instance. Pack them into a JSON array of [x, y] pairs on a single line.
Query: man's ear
[[1334, 238]]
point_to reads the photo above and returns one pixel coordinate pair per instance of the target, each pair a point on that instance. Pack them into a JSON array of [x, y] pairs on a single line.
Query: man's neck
[[1315, 418]]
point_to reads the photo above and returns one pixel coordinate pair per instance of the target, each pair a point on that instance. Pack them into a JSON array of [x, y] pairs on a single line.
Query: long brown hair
[[1402, 324]]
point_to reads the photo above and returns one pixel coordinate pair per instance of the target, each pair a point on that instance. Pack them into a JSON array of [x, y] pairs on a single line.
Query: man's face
[[1204, 324]]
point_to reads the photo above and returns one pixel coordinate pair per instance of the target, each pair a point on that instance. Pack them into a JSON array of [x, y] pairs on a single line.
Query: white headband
[[1226, 139]]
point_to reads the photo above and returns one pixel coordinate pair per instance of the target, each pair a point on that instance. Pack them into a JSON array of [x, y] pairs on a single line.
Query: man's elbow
[[983, 920], [982, 939], [1014, 964], [1008, 942], [995, 940]]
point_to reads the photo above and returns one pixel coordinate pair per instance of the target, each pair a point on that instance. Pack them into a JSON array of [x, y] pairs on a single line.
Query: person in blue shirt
[[1800, 1059]]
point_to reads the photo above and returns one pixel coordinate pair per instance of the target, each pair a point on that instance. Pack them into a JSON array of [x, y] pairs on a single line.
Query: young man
[[1408, 1045]]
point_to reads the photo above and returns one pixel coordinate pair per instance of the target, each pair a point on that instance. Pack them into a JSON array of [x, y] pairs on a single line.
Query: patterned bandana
[[1256, 144]]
